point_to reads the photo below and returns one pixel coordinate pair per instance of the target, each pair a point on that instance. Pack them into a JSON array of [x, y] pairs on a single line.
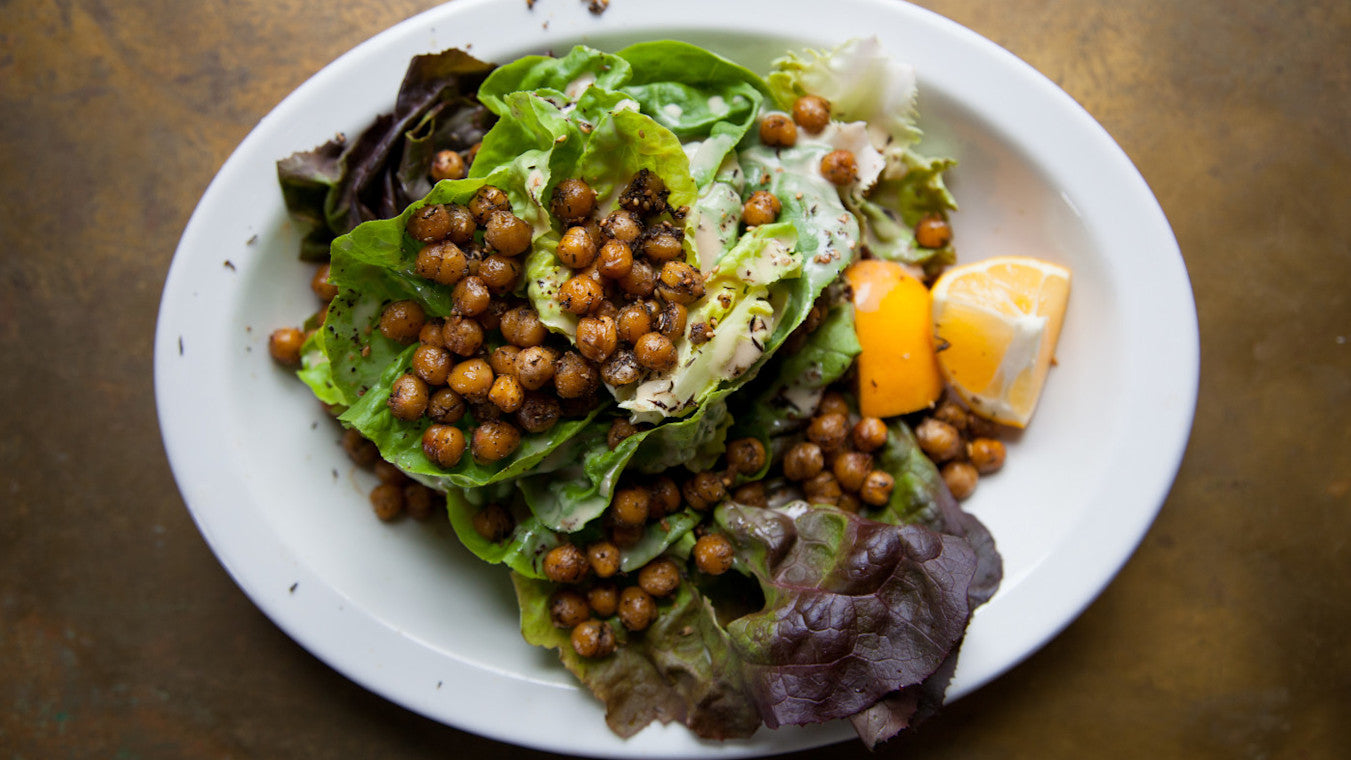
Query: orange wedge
[[897, 373], [997, 322]]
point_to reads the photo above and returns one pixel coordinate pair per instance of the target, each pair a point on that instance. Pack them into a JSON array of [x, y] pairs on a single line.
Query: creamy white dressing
[[851, 136], [673, 110], [576, 87], [717, 106]]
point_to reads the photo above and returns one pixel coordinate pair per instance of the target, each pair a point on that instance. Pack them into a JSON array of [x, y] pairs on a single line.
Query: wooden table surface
[[1226, 635]]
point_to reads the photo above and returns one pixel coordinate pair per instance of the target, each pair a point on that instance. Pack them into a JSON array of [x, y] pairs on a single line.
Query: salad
[[658, 332]]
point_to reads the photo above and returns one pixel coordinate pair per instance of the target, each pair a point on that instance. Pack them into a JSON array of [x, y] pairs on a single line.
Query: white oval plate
[[408, 613]]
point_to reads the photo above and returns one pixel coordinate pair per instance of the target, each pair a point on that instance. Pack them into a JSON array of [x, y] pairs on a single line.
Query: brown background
[[1226, 636]]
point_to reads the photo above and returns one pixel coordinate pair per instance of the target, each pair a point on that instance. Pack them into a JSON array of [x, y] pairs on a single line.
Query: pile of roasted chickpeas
[[963, 445]]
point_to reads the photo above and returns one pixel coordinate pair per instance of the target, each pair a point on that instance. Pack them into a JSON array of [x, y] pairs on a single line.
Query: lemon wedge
[[997, 322]]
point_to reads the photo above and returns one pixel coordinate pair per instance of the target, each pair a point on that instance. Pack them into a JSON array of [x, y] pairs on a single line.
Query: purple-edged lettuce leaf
[[336, 186]]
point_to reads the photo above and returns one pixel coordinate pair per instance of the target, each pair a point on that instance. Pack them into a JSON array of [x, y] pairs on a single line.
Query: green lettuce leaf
[[316, 371], [908, 192]]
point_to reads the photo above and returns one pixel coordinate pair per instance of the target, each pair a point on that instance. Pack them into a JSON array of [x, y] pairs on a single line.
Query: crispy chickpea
[[568, 608], [664, 497], [577, 248], [812, 113], [408, 397], [604, 558], [851, 468], [360, 449], [655, 352], [593, 639], [446, 407], [877, 487], [762, 207], [869, 434], [659, 577], [832, 402], [986, 454], [645, 195], [621, 225], [640, 281], [671, 320], [442, 262], [603, 597], [778, 131], [822, 488], [615, 260], [491, 318], [443, 444], [745, 455], [597, 337], [387, 500], [840, 167], [388, 472], [680, 283], [703, 490], [500, 273], [939, 440], [284, 345], [538, 413], [752, 494], [471, 378], [713, 554], [849, 502], [419, 501], [829, 431], [507, 233], [622, 368], [447, 164], [574, 377], [494, 440], [462, 224], [401, 321], [503, 360], [952, 413], [620, 429], [325, 290], [933, 231], [484, 411], [486, 200], [633, 322], [429, 223], [566, 563], [432, 364], [534, 367], [522, 327], [637, 609], [961, 478], [662, 242], [506, 393], [471, 296], [630, 506], [572, 201], [581, 294], [627, 535], [494, 522], [803, 461], [430, 334]]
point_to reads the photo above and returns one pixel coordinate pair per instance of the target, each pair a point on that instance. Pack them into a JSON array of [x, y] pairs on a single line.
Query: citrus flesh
[[997, 322]]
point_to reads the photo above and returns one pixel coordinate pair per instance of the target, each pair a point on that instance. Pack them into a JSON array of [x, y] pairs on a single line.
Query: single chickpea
[[535, 367], [663, 243], [408, 397], [640, 281], [432, 364], [659, 577], [933, 231], [419, 501], [986, 454], [568, 608], [494, 523], [471, 378], [812, 113], [633, 322], [622, 225], [581, 294], [938, 440], [442, 262], [603, 598], [447, 164], [471, 296], [325, 290], [539, 413], [655, 352], [822, 488], [620, 429], [429, 223], [832, 402], [622, 368], [829, 431], [387, 500], [703, 490], [637, 609], [593, 639], [762, 207], [877, 487], [462, 224], [597, 338], [284, 345], [665, 497], [713, 554], [604, 559], [961, 478], [778, 131], [486, 200], [851, 468], [670, 319], [500, 273], [680, 283], [443, 444], [566, 563], [869, 434], [630, 506], [803, 461], [360, 449], [506, 393], [572, 201], [401, 321], [503, 360], [577, 248], [840, 167], [522, 327], [746, 455], [495, 440], [446, 407], [615, 260], [574, 377], [752, 494], [507, 233]]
